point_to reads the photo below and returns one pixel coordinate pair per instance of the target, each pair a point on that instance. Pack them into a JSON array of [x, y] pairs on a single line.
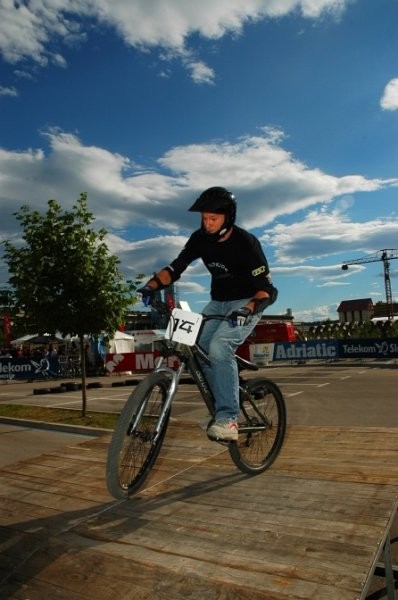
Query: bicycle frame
[[188, 360], [139, 432]]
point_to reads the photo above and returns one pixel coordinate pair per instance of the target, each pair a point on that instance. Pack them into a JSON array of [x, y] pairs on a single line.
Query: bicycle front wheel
[[138, 436], [262, 426]]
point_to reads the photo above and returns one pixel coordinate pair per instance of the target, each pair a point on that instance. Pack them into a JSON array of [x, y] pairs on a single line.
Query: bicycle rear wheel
[[262, 426], [137, 439]]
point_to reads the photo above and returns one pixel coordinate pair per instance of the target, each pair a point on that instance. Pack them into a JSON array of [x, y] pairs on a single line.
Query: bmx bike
[[142, 424]]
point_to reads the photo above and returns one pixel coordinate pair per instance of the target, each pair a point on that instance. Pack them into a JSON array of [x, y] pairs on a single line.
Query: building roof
[[358, 304]]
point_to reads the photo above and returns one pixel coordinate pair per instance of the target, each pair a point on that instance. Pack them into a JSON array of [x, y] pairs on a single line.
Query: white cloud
[[315, 272], [317, 313], [8, 91], [389, 100], [315, 8], [145, 256], [265, 177], [324, 232], [28, 30], [200, 72]]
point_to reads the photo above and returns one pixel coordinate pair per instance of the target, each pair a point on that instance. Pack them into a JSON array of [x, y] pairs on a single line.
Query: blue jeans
[[220, 341]]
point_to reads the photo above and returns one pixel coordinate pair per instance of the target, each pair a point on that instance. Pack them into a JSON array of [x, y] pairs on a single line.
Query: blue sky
[[292, 105]]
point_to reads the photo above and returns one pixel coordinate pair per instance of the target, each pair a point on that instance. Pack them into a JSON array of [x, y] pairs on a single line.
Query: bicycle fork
[[175, 376]]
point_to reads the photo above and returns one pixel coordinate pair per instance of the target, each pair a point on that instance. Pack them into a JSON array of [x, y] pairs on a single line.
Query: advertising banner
[[263, 354], [369, 348], [135, 361], [316, 349], [26, 368], [332, 349]]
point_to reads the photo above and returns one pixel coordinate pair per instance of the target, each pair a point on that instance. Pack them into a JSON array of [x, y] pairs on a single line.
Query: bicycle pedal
[[219, 441]]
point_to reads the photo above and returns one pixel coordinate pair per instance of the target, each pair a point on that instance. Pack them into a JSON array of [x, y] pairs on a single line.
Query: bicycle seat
[[245, 364]]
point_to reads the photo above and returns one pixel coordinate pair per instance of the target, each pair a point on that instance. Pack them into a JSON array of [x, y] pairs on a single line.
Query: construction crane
[[383, 256]]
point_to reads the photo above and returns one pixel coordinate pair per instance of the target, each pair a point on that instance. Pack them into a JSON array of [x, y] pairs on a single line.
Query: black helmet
[[220, 201]]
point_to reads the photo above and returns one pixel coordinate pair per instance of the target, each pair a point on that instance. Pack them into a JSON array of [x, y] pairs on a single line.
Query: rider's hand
[[239, 317], [147, 292]]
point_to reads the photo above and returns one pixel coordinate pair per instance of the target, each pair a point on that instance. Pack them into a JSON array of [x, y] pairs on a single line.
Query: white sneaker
[[223, 429]]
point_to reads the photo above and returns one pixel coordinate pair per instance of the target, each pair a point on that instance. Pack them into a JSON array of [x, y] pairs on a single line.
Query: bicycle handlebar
[[161, 307], [164, 309]]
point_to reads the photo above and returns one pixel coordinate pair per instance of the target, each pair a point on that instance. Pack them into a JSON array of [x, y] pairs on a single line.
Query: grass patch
[[59, 415]]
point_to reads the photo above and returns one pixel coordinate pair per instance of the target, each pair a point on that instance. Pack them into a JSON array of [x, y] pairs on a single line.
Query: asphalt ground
[[19, 443], [335, 393], [346, 395]]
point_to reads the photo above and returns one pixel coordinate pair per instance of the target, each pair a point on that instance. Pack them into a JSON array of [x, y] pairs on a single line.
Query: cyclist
[[241, 289]]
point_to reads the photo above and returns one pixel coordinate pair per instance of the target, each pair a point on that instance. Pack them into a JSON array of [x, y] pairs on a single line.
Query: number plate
[[183, 326]]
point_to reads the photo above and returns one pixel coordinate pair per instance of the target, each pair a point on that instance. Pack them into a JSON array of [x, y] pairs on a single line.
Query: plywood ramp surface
[[309, 528]]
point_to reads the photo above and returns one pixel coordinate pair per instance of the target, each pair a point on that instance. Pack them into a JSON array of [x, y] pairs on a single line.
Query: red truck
[[267, 333]]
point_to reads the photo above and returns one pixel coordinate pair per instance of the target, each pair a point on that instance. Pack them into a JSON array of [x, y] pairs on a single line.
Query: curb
[[61, 427]]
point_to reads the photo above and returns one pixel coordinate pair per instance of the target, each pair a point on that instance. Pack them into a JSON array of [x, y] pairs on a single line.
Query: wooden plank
[[200, 528], [200, 532], [351, 454], [114, 577]]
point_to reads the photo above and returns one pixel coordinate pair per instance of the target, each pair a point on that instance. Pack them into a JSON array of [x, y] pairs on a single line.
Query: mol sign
[[135, 361]]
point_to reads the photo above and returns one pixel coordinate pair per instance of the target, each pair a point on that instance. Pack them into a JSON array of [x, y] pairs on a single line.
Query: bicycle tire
[[262, 407], [133, 448]]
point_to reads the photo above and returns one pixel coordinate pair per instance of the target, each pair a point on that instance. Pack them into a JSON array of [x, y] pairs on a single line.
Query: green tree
[[63, 277]]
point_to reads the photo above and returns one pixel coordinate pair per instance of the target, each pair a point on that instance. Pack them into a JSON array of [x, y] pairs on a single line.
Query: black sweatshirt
[[238, 266]]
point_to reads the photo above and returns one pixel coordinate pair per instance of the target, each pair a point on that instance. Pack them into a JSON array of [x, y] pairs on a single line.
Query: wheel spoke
[[136, 440], [261, 427]]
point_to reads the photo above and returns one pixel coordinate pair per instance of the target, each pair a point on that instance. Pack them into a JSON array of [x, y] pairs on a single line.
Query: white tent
[[145, 339], [121, 343], [23, 339], [383, 319]]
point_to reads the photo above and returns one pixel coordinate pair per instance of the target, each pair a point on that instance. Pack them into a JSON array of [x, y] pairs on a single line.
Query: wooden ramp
[[312, 527]]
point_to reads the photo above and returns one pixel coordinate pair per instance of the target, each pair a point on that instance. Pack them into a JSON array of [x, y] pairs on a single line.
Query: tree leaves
[[63, 277]]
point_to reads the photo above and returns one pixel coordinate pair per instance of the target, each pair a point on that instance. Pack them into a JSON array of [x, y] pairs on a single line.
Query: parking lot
[[316, 394]]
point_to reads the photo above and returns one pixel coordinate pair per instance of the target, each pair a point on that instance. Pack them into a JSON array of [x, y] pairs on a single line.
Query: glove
[[147, 292], [240, 317]]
